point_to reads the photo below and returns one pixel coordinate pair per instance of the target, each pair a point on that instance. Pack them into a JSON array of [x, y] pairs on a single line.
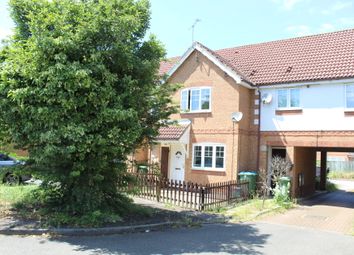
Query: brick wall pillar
[[323, 175], [290, 156]]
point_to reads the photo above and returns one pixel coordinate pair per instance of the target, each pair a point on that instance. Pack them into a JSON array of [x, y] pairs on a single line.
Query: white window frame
[[346, 98], [288, 99], [189, 102], [213, 167]]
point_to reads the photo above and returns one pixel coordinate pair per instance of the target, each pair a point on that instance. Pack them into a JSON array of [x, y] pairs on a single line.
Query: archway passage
[[310, 171], [308, 152]]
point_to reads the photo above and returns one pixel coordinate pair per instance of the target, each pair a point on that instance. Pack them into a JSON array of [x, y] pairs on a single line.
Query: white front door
[[178, 160]]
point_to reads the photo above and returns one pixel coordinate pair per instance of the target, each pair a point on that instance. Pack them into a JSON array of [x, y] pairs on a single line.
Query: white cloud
[[287, 4], [303, 30], [346, 21], [326, 27], [341, 5], [337, 6], [299, 30]]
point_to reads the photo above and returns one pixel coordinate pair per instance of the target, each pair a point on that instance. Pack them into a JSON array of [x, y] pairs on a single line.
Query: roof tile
[[171, 132], [316, 57]]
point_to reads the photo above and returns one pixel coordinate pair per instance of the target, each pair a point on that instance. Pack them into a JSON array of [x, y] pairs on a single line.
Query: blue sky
[[228, 23]]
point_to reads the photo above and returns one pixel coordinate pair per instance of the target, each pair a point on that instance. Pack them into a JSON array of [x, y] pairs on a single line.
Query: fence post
[[158, 189], [228, 193], [202, 198]]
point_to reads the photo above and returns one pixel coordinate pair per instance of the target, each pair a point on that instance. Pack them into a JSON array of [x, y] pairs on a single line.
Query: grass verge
[[341, 175], [11, 195], [254, 208], [331, 187], [22, 202], [15, 194]]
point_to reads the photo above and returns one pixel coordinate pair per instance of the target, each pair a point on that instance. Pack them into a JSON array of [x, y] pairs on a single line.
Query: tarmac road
[[257, 238]]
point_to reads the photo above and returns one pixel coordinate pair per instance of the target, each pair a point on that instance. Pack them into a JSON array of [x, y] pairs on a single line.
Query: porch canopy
[[175, 133], [178, 133]]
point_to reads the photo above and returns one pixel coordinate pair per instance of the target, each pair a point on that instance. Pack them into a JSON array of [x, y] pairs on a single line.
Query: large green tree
[[79, 89]]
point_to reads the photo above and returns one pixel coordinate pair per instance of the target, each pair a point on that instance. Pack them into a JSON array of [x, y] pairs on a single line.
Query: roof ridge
[[227, 62], [272, 41]]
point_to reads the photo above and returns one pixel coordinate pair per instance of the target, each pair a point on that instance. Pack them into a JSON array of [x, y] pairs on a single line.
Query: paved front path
[[331, 212], [256, 238]]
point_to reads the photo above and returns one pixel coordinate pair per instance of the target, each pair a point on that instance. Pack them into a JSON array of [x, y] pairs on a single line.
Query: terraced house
[[241, 106]]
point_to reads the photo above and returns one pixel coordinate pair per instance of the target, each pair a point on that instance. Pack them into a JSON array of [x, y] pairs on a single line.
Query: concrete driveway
[[330, 212]]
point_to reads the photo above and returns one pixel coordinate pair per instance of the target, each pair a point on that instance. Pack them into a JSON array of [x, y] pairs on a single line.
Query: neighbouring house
[[296, 98], [338, 156]]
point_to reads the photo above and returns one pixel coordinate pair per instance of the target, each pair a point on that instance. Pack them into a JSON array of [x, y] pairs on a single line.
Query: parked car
[[9, 176]]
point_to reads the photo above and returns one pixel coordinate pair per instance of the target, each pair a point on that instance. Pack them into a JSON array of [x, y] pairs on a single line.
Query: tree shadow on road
[[225, 238]]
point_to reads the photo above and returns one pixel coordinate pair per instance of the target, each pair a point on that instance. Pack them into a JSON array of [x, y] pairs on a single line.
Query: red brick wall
[[226, 97]]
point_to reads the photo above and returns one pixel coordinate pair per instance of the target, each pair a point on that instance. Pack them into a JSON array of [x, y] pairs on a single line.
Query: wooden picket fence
[[188, 194]]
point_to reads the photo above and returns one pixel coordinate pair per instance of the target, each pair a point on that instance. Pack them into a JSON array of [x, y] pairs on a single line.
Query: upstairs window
[[195, 100], [289, 98], [349, 96]]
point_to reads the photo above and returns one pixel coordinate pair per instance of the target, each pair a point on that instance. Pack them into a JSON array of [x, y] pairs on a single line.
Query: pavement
[[347, 185], [332, 211]]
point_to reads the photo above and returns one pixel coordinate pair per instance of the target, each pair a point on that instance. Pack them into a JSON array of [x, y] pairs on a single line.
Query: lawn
[[253, 209], [11, 195], [19, 202]]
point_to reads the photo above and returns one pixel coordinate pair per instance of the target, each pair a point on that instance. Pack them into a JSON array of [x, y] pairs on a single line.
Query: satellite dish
[[236, 116], [267, 98]]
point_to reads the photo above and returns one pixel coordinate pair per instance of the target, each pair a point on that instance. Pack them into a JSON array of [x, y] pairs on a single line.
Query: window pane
[[184, 100], [195, 98], [197, 156], [282, 98], [350, 96], [208, 156], [205, 99], [219, 161], [294, 98]]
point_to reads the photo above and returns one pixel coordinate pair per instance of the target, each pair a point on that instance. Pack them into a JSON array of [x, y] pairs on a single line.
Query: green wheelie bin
[[251, 178]]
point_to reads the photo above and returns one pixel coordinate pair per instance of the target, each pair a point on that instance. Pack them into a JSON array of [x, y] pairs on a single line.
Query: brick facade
[[217, 126], [235, 74], [241, 139]]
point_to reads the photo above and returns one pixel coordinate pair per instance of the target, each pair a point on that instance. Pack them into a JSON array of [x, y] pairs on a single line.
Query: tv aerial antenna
[[193, 26]]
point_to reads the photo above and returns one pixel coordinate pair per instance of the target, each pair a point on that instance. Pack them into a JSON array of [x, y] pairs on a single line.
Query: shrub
[[80, 90]]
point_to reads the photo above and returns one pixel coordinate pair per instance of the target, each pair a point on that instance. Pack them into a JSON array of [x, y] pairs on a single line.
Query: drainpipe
[[233, 151], [259, 127]]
